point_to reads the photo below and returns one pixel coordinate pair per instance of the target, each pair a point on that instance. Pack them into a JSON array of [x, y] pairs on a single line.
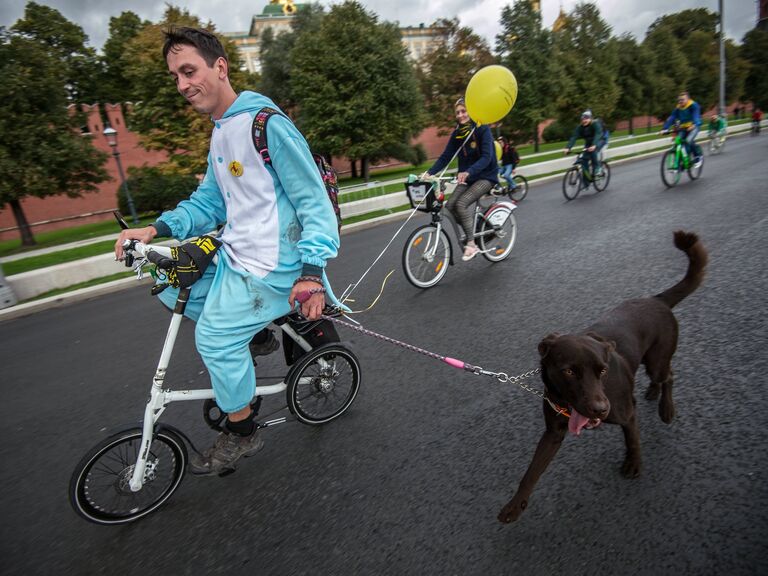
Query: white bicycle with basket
[[428, 250]]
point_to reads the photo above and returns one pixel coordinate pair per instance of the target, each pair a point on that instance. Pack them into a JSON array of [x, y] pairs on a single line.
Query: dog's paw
[[512, 511], [631, 468], [666, 411]]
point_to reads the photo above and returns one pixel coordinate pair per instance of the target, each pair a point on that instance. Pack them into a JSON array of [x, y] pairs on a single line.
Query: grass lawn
[[44, 260], [65, 235], [94, 282]]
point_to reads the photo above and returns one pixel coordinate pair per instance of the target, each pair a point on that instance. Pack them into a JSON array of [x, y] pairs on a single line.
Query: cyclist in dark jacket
[[592, 133], [478, 171], [509, 160]]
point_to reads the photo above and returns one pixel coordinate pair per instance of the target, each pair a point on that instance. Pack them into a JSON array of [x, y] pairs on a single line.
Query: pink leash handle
[[305, 295], [460, 364]]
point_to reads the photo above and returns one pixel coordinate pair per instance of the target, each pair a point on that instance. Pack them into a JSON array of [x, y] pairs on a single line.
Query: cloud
[[633, 16]]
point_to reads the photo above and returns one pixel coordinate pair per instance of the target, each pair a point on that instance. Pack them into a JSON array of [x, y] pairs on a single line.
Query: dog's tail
[[689, 243]]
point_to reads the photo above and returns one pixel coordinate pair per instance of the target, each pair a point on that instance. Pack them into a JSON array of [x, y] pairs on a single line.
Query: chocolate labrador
[[589, 377]]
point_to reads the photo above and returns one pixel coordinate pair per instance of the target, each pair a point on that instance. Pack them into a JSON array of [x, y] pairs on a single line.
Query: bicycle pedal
[[227, 472]]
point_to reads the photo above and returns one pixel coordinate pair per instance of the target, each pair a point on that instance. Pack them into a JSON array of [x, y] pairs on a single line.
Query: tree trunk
[[365, 168], [631, 130], [353, 164], [25, 232], [535, 136]]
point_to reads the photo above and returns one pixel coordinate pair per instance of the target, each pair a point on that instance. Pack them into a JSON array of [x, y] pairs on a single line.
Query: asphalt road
[[410, 480]]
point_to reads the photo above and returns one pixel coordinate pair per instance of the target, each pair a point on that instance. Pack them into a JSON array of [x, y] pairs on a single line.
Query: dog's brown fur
[[592, 373]]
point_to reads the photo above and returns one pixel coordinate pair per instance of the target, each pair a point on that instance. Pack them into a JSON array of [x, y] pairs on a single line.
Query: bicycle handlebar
[[158, 255]]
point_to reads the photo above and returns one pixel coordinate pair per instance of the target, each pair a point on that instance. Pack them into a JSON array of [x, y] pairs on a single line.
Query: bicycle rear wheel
[[323, 384], [670, 169], [695, 173], [99, 489], [601, 182], [520, 191], [498, 232], [572, 183], [426, 256]]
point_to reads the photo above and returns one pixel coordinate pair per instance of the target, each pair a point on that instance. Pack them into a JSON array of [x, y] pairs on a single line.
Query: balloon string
[[375, 300], [345, 297]]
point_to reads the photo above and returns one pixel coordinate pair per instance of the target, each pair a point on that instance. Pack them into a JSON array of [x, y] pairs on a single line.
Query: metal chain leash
[[502, 377]]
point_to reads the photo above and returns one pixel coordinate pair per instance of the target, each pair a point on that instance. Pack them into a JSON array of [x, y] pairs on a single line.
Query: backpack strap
[[259, 132]]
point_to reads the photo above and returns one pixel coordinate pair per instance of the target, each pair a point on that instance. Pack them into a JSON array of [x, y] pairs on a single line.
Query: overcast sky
[[633, 16]]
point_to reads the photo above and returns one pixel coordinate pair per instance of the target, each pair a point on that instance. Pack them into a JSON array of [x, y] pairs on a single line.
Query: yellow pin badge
[[235, 168]]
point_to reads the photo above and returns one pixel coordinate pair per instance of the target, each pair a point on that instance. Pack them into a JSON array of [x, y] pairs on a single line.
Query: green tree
[[754, 50], [525, 47], [42, 152], [356, 90], [161, 116], [704, 84], [122, 29], [586, 62], [682, 24], [671, 71], [736, 72], [635, 73], [66, 42], [275, 51], [444, 73]]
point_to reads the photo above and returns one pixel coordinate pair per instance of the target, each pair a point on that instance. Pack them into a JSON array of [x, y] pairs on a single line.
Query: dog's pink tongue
[[576, 422]]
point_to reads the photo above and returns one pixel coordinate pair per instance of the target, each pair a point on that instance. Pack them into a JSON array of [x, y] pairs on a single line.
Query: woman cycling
[[509, 160], [478, 171]]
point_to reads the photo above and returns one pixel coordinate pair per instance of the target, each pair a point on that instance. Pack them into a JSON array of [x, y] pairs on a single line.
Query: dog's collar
[[556, 407]]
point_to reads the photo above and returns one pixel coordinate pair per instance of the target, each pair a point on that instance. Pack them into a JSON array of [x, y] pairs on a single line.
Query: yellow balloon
[[491, 93], [498, 150]]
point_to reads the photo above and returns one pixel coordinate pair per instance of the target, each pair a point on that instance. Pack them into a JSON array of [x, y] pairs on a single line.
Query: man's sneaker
[[222, 457], [699, 161], [264, 343]]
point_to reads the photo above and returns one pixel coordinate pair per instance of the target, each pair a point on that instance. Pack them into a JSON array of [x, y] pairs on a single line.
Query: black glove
[[189, 261]]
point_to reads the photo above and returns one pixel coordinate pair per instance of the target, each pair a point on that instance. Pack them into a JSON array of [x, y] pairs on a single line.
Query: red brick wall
[[131, 154], [432, 142]]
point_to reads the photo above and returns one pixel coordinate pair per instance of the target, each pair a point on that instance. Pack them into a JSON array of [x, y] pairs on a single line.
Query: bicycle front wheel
[[426, 256], [99, 489], [670, 170], [572, 183], [520, 191], [323, 384], [498, 232], [601, 182]]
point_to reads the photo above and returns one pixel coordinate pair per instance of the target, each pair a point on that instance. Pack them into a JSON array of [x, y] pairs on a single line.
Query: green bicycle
[[579, 177], [677, 160]]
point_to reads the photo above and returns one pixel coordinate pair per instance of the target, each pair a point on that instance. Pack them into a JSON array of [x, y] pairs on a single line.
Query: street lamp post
[[111, 135]]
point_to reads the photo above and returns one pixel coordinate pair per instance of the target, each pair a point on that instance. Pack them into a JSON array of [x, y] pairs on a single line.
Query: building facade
[[419, 40]]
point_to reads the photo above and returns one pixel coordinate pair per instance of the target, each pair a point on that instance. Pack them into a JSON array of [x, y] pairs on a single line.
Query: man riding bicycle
[[591, 130], [717, 126], [687, 115], [757, 118], [279, 232]]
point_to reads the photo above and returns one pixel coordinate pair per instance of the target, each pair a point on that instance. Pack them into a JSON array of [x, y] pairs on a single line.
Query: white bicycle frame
[[481, 212], [159, 398]]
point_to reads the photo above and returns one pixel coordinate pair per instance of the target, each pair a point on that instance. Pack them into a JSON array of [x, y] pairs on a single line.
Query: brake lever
[[138, 267]]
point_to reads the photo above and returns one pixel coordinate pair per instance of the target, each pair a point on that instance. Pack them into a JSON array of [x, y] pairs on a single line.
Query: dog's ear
[[545, 344], [608, 345]]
